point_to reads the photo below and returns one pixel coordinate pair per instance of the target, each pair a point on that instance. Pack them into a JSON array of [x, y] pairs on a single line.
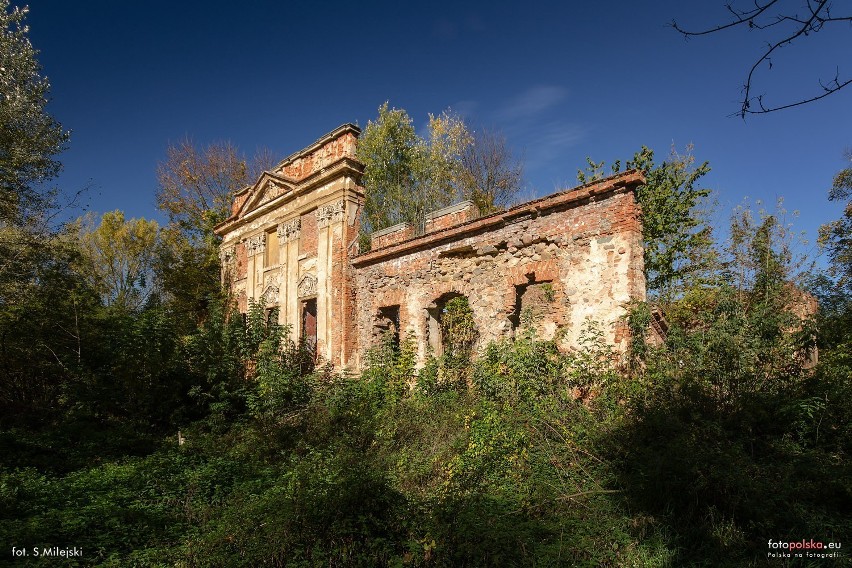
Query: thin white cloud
[[550, 143], [464, 108], [532, 102], [539, 125]]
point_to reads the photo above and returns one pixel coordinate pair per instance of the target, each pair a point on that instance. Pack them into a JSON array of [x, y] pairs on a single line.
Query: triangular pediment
[[268, 187]]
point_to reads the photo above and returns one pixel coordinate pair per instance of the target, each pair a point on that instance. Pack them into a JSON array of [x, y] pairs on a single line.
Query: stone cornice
[[340, 168], [620, 183]]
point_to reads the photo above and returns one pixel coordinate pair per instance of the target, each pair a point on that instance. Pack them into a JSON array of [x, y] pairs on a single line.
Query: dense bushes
[[228, 446]]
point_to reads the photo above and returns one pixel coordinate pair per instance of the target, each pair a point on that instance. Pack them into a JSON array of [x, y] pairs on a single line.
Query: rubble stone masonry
[[552, 264]]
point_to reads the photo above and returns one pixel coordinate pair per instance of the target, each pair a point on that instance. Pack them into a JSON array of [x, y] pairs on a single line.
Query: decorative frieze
[[270, 296], [290, 230], [272, 286], [273, 190], [256, 244], [307, 286], [330, 213]]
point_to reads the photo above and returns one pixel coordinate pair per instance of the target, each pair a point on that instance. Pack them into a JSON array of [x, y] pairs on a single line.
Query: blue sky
[[563, 80]]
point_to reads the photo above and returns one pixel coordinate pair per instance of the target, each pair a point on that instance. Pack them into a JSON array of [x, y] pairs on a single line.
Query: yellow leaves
[[120, 256], [195, 181]]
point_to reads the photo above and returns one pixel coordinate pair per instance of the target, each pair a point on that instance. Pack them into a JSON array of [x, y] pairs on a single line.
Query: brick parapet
[[391, 236], [451, 216], [337, 144], [625, 182]]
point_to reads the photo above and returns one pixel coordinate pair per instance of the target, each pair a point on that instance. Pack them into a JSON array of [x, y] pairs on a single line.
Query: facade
[[551, 264]]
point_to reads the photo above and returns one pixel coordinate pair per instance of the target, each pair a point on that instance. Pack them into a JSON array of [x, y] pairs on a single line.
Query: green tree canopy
[[120, 256], [406, 175], [836, 236], [29, 141], [390, 150], [676, 238], [30, 138]]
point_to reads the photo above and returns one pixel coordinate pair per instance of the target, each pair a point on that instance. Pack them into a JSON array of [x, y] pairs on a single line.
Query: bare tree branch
[[739, 18], [768, 14]]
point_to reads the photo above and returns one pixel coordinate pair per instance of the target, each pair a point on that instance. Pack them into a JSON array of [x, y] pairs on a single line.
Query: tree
[[406, 175], [187, 276], [836, 236], [789, 24], [29, 137], [120, 258], [492, 176], [29, 141], [389, 149], [442, 175], [196, 189], [197, 186], [675, 237]]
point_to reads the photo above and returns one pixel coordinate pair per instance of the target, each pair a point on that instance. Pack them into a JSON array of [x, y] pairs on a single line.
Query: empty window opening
[[309, 322], [533, 308], [271, 251], [450, 326], [271, 316], [387, 325]]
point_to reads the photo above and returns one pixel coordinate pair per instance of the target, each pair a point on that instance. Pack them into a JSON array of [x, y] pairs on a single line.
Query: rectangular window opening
[[388, 323], [533, 304], [309, 322]]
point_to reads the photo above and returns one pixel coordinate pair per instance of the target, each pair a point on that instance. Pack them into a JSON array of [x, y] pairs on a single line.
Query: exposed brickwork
[[574, 257], [308, 237], [302, 166], [391, 236], [451, 216], [239, 200]]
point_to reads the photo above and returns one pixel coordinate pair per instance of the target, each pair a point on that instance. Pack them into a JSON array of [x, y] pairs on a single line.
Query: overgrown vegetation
[[708, 449], [149, 424]]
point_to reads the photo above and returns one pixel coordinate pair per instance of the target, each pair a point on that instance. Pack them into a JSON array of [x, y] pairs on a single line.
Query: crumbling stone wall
[[550, 264]]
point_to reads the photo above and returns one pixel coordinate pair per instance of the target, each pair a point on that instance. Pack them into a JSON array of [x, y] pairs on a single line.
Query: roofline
[[347, 127], [619, 183], [324, 139]]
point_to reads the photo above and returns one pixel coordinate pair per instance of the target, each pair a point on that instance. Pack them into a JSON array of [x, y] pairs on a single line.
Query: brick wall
[[391, 236], [451, 216], [575, 256], [308, 235], [301, 167]]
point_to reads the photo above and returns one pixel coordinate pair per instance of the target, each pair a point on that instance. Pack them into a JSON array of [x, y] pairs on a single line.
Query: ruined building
[[552, 263]]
